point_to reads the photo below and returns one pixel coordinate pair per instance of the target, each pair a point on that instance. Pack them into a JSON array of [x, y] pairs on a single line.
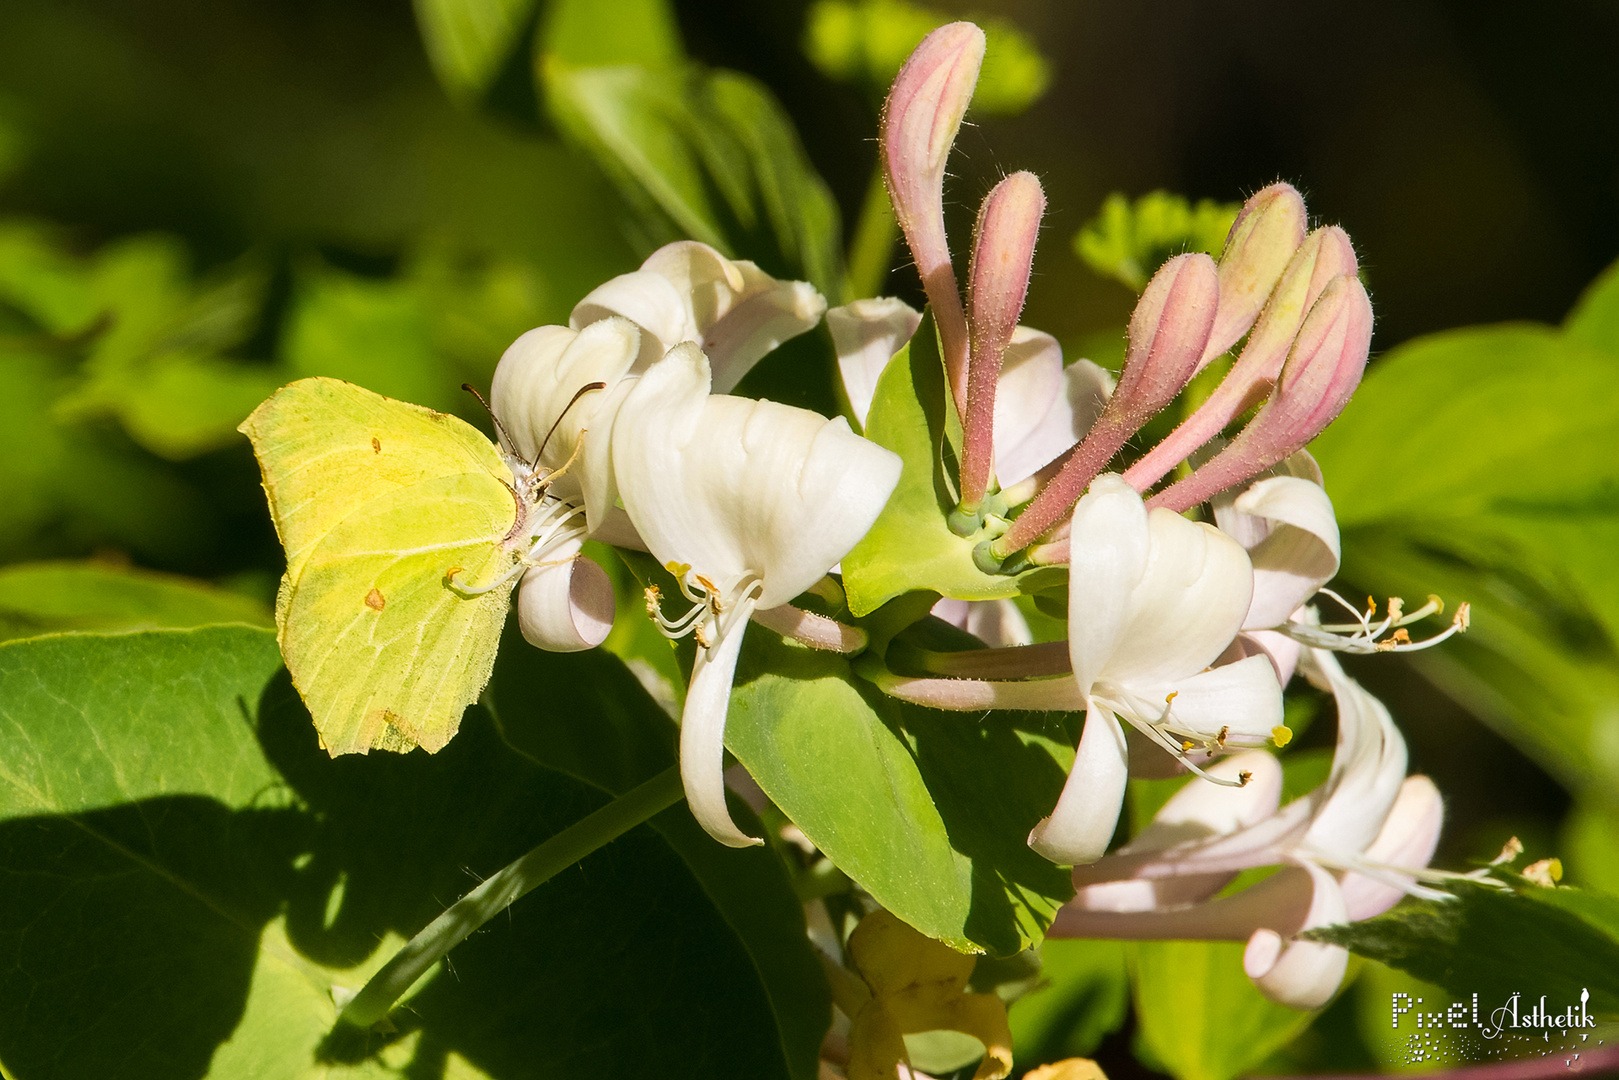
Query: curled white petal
[[565, 605], [1087, 811], [866, 334], [702, 733], [1368, 767], [1301, 974], [1110, 544], [687, 291], [1407, 839], [1300, 549]]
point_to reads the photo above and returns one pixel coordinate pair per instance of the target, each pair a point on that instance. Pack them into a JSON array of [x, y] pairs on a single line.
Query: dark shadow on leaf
[[128, 936]]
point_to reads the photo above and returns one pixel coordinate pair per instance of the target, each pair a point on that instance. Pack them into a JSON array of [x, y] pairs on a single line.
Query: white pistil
[[1364, 636]]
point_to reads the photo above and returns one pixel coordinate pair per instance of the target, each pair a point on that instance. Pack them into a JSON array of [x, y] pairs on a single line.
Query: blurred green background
[[200, 201]]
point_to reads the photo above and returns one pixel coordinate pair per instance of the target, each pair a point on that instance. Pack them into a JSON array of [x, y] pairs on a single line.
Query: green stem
[[873, 244], [498, 892]]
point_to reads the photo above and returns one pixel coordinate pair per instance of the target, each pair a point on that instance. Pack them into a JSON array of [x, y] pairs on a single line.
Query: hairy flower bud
[[919, 125], [1325, 255], [1168, 332], [1320, 375], [1003, 258], [1267, 231]]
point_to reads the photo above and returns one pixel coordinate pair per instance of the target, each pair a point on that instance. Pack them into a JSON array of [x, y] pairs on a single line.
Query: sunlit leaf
[[912, 546], [50, 597], [893, 794], [468, 41], [186, 877]]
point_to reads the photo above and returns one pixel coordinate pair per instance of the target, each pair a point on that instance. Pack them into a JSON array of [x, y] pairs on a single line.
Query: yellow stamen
[[653, 595], [678, 569], [1281, 735]]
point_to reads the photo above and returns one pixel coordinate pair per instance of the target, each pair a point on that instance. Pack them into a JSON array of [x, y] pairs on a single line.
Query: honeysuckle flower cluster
[[748, 503], [1181, 633]]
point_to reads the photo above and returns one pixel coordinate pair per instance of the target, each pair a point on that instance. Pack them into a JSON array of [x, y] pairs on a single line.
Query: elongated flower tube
[[1153, 600], [1352, 847], [1268, 229], [1325, 255], [687, 291], [1321, 373], [1168, 332], [919, 124], [1003, 258], [748, 503]]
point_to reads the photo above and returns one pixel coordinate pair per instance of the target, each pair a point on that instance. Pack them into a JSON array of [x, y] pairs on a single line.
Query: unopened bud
[[1168, 332], [919, 125], [1324, 255], [1269, 228], [1003, 258], [1320, 376]]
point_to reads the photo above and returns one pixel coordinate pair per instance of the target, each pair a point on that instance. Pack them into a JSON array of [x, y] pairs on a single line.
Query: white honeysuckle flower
[[866, 334], [1286, 522], [1041, 407], [534, 391], [749, 503], [1153, 600], [687, 291], [552, 386], [1349, 849]]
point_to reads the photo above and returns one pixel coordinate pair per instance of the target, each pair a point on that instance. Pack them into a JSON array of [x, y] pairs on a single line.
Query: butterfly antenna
[[505, 436], [581, 392]]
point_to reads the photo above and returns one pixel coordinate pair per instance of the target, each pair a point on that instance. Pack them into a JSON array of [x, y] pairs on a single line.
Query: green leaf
[[708, 156], [1199, 1014], [591, 33], [1083, 995], [469, 41], [67, 487], [630, 740], [1128, 241], [868, 41], [40, 280], [373, 333], [894, 794], [1486, 939], [185, 877], [911, 545], [1595, 318], [1479, 418], [48, 597]]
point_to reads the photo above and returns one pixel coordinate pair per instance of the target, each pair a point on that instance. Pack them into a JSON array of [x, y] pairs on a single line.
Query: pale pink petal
[[1408, 839]]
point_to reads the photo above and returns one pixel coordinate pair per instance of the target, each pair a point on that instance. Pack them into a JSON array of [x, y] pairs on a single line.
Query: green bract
[[912, 547]]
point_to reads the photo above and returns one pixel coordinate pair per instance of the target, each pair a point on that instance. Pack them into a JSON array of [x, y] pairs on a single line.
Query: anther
[[653, 607], [1245, 776], [1220, 738]]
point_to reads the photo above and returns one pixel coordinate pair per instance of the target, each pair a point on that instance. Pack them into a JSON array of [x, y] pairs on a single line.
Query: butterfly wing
[[376, 502]]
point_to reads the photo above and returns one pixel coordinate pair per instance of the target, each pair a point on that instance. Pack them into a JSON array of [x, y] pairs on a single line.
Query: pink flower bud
[[1003, 258], [1268, 230], [1325, 255], [1168, 333], [1317, 381], [919, 125]]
